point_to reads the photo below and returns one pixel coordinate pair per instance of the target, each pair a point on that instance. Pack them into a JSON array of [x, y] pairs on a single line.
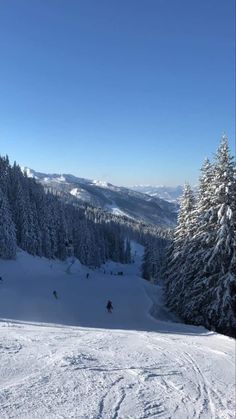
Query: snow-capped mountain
[[168, 193], [116, 200]]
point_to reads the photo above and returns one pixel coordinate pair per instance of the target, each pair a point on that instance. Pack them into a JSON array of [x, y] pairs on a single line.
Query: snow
[[116, 210], [81, 194], [101, 183], [30, 173], [69, 358], [60, 179]]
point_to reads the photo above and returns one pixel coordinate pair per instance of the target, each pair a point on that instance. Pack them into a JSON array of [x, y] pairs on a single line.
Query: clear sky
[[128, 91]]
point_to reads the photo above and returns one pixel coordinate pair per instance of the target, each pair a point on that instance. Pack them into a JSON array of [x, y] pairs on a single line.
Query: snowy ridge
[[126, 202], [90, 364]]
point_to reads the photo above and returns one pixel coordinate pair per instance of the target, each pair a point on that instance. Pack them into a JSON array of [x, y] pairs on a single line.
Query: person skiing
[[55, 295], [109, 306]]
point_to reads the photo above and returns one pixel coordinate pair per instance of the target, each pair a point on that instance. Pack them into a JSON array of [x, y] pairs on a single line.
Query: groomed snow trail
[[146, 369]]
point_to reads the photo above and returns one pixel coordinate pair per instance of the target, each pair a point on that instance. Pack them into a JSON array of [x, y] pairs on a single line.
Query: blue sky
[[129, 91]]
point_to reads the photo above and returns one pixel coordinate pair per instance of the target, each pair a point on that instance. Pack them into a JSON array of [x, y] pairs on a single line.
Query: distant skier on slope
[[55, 295], [109, 306]]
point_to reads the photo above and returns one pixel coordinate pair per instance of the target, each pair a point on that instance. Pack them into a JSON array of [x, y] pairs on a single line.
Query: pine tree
[[221, 257], [201, 277], [194, 267], [62, 234], [127, 251], [146, 264], [7, 230], [175, 275]]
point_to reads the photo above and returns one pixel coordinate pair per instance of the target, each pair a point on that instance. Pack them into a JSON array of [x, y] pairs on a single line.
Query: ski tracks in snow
[[79, 373], [209, 402], [153, 369]]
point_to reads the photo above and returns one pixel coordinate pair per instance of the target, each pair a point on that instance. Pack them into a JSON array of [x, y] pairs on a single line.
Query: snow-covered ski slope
[[69, 358]]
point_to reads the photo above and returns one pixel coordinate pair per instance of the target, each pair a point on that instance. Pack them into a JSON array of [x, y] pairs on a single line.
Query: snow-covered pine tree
[[102, 243], [201, 278], [62, 233], [146, 264], [127, 251], [220, 260], [7, 230], [193, 293], [4, 175], [176, 264], [153, 258]]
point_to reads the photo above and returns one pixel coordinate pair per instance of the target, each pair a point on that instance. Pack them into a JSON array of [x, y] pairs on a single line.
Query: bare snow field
[[69, 358]]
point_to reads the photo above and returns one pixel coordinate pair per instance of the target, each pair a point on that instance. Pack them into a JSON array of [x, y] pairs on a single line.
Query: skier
[[55, 295], [87, 276], [109, 306]]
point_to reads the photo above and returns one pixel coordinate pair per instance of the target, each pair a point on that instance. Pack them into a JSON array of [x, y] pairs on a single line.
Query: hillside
[[69, 358], [116, 200], [168, 193]]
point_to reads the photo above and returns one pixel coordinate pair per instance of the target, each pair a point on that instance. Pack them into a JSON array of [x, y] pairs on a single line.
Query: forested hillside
[[112, 199], [42, 224], [45, 224]]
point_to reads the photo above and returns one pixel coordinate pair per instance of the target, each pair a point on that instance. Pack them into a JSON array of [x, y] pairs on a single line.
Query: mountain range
[[168, 193], [120, 201]]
